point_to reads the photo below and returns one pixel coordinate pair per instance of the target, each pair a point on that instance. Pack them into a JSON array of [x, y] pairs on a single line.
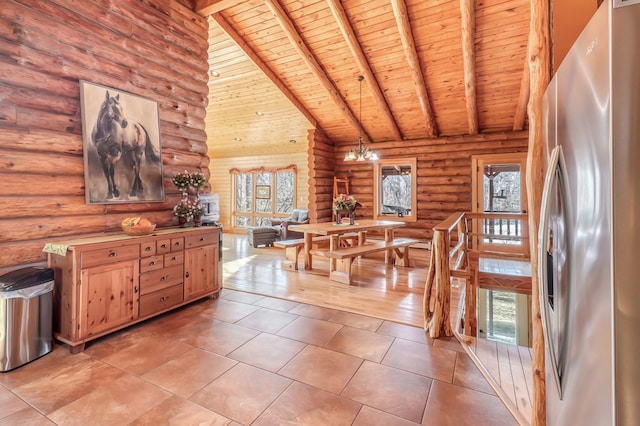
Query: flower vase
[[344, 213], [352, 217], [197, 220], [182, 221]]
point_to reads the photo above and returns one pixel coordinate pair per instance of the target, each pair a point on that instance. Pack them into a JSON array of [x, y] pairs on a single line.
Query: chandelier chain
[[362, 153]]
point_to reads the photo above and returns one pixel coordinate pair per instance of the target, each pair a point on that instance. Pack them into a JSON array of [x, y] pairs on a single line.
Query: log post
[[428, 288], [463, 232], [470, 297], [437, 319], [539, 67]]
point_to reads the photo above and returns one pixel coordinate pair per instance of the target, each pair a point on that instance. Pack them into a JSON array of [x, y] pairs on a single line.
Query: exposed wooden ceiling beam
[[523, 98], [365, 69], [468, 14], [310, 60], [209, 7], [263, 67], [409, 47]]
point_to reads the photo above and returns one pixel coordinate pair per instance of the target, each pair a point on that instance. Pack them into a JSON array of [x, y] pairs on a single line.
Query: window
[[255, 200], [244, 198], [285, 191], [503, 316], [498, 182], [395, 190]]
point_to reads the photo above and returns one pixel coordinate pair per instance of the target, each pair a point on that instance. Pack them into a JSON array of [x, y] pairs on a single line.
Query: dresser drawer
[[161, 278], [174, 259], [163, 246], [148, 249], [160, 300], [203, 239], [177, 244], [151, 263], [91, 258]]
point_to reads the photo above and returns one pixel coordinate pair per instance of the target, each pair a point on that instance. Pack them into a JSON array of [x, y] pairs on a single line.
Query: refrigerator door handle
[[555, 177]]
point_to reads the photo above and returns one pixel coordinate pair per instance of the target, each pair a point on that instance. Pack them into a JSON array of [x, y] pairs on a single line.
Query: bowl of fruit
[[137, 226]]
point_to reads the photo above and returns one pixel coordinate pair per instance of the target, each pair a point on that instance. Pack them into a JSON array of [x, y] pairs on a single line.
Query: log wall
[[444, 174], [321, 173], [156, 49]]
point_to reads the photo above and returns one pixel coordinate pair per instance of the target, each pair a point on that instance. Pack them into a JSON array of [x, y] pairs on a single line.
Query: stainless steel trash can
[[26, 311]]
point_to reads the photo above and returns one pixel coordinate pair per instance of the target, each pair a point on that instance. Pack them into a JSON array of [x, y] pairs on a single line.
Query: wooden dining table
[[335, 230]]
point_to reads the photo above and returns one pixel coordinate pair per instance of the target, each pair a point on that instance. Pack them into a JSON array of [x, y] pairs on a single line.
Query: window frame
[[253, 215], [377, 188]]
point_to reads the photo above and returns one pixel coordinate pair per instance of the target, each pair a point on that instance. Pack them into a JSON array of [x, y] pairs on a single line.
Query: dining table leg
[[308, 242], [362, 237], [388, 254], [334, 244]]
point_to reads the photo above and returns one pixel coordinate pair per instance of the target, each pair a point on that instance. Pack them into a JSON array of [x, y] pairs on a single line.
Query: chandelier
[[362, 153]]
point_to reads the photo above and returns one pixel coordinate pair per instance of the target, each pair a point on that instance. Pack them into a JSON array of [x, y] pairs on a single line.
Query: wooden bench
[[292, 248], [341, 272]]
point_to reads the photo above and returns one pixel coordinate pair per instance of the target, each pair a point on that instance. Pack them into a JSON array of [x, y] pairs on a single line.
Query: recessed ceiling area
[[247, 113]]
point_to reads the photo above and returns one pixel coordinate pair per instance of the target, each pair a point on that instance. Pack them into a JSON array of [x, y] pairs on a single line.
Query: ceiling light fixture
[[362, 153]]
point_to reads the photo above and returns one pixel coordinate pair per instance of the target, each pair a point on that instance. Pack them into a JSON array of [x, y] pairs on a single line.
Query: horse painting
[[120, 139]]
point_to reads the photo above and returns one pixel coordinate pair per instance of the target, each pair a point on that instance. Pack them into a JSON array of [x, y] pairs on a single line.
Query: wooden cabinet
[[110, 292], [199, 277], [105, 283]]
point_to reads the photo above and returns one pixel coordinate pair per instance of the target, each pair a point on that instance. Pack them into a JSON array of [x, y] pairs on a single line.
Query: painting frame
[[121, 146], [263, 192]]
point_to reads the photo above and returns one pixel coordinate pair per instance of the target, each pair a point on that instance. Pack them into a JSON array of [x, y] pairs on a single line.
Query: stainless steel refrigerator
[[589, 240]]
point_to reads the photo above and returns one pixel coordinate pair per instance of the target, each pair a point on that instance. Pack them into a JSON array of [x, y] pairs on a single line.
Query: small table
[[335, 230]]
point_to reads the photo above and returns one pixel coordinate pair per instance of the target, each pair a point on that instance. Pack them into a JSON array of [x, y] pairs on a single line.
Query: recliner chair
[[298, 216]]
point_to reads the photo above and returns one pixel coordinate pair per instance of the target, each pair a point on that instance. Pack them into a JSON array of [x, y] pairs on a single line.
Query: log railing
[[456, 249]]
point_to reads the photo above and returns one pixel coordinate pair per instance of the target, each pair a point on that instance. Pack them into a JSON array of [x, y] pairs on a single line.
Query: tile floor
[[246, 359]]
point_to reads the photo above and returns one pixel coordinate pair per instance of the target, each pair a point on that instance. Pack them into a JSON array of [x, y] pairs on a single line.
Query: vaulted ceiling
[[431, 68]]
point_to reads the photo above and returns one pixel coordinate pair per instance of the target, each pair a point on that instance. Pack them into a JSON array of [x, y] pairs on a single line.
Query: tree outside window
[[261, 194]]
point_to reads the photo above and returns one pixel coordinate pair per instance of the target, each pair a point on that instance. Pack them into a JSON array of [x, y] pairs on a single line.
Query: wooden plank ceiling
[[431, 68]]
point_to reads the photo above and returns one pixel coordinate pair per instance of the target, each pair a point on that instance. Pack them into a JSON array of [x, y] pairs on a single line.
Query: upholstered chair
[[298, 216]]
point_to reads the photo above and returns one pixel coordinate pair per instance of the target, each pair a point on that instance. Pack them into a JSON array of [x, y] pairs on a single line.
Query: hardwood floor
[[509, 366], [393, 294]]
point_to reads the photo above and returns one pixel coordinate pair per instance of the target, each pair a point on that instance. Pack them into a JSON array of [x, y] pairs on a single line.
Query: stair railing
[[455, 253], [448, 246]]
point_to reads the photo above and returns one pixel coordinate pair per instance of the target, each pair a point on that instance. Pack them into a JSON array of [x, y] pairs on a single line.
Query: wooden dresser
[[106, 283]]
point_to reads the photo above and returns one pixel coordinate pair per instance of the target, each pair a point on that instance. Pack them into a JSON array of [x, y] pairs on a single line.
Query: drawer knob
[[163, 246], [147, 249], [186, 274], [113, 254], [164, 278], [174, 258], [201, 238]]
